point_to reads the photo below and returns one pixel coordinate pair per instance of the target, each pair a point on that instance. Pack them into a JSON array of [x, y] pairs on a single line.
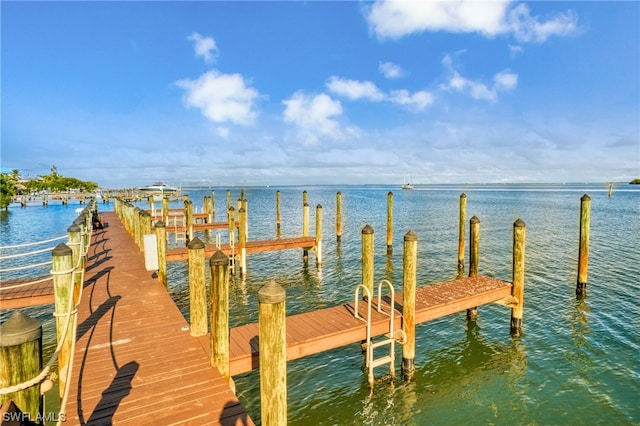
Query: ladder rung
[[381, 361], [381, 343]]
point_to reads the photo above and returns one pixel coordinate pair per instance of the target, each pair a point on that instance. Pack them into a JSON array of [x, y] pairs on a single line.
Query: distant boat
[[409, 184], [158, 190]]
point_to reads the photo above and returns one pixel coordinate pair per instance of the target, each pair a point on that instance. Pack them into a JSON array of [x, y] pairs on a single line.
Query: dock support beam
[[305, 226], [197, 288], [517, 291], [273, 354], [20, 361], [390, 222], [278, 217], [474, 257], [461, 232], [367, 258], [318, 247], [583, 251], [338, 215], [62, 271], [161, 237], [219, 319], [410, 260], [242, 240]]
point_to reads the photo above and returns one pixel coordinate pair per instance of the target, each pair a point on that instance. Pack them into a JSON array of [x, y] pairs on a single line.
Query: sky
[[274, 93]]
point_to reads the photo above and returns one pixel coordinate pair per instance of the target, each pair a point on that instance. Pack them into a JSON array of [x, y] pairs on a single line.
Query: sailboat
[[409, 184]]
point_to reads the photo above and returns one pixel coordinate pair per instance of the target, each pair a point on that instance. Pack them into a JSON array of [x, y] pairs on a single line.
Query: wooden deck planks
[[134, 364]]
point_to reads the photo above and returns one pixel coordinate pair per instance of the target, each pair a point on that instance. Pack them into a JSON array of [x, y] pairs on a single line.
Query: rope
[[11, 256], [25, 284], [33, 244], [17, 268]]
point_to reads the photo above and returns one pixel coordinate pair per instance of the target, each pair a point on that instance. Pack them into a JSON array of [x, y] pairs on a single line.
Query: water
[[576, 362]]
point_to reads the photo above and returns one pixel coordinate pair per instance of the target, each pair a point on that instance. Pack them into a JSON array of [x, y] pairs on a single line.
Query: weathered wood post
[[165, 210], [188, 217], [367, 258], [75, 243], [161, 237], [583, 251], [474, 256], [305, 197], [20, 361], [318, 247], [152, 206], [242, 241], [228, 199], [338, 215], [231, 212], [278, 217], [305, 227], [273, 354], [197, 288], [245, 206], [410, 262], [137, 234], [390, 222], [517, 291], [62, 271], [219, 318], [461, 232], [212, 217]]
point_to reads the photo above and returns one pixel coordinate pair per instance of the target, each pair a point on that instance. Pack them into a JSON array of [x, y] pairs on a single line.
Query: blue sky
[[253, 93]]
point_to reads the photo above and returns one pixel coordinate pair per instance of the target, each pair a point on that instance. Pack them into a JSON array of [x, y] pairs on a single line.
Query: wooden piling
[[75, 243], [367, 258], [517, 291], [20, 361], [197, 288], [318, 247], [188, 217], [273, 354], [219, 318], [165, 210], [242, 241], [305, 226], [474, 256], [62, 271], [231, 215], [212, 217], [583, 251], [305, 197], [228, 199], [410, 261], [338, 215], [161, 237], [278, 230], [390, 222], [461, 231]]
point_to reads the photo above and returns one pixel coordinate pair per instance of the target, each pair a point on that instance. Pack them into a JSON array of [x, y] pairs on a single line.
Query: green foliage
[[7, 190], [635, 182]]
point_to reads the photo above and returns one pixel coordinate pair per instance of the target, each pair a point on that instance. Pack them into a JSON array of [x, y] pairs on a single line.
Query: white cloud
[[353, 89], [204, 46], [221, 97], [396, 19], [502, 81], [419, 100], [390, 70], [314, 116]]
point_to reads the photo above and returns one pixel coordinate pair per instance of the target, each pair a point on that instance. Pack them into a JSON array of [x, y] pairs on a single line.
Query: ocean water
[[577, 361]]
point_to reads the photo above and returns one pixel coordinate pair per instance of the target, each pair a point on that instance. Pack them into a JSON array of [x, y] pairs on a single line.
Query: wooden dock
[[26, 292], [321, 330], [135, 361]]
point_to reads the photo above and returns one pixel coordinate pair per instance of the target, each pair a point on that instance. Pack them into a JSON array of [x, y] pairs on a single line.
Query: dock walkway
[[135, 361]]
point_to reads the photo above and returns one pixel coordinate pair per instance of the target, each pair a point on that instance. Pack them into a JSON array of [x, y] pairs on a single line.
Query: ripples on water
[[577, 362]]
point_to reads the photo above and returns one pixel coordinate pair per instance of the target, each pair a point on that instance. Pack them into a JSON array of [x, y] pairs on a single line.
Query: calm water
[[576, 363]]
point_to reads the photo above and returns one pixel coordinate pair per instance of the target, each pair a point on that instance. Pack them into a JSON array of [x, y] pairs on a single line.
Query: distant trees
[[11, 185]]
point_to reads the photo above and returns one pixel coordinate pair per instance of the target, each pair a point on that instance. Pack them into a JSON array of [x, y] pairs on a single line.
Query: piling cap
[[19, 329], [160, 224], [519, 223], [195, 244], [410, 236], [585, 197], [271, 293], [474, 219], [463, 195], [61, 250], [73, 228], [219, 259], [367, 229]]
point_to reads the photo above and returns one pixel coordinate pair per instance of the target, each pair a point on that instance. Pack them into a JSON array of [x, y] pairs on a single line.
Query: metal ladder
[[390, 338]]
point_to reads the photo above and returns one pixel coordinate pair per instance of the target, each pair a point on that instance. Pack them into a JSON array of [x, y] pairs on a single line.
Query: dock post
[[517, 291], [338, 215], [245, 206], [461, 232], [136, 227], [188, 217], [305, 197], [390, 222], [273, 354], [278, 232], [474, 256], [152, 206], [161, 237], [165, 210], [583, 251], [197, 288], [228, 199], [305, 227], [20, 361], [212, 217], [409, 279], [75, 243], [318, 235], [62, 271], [367, 258], [242, 241], [219, 318]]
